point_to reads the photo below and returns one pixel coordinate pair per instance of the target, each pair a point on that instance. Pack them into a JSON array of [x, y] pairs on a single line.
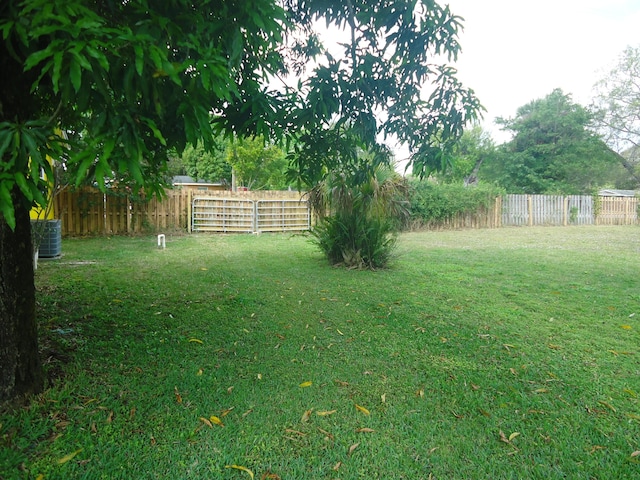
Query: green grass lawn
[[511, 353]]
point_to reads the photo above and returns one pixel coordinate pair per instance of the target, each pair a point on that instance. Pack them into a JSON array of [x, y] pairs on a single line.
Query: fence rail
[[90, 212]]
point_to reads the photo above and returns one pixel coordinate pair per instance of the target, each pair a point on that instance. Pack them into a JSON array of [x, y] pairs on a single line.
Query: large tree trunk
[[20, 367]]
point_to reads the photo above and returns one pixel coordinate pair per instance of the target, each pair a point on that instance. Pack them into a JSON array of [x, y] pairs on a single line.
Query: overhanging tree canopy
[[130, 80]]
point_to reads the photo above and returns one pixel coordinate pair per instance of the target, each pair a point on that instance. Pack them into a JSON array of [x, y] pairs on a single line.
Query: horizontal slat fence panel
[[224, 215], [282, 216]]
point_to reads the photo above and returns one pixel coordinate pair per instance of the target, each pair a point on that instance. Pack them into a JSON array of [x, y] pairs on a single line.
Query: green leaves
[[24, 149], [134, 80], [552, 150]]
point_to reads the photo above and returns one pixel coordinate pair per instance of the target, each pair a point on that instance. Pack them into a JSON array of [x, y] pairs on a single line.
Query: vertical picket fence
[[617, 211], [530, 210]]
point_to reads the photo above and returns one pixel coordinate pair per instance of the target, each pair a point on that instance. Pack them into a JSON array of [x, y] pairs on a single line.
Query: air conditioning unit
[[48, 236]]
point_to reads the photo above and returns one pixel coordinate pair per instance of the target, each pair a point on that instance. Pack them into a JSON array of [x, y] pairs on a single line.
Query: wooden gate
[[226, 215], [210, 214]]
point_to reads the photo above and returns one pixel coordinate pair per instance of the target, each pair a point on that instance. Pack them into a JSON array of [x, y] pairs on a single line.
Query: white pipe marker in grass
[[161, 241]]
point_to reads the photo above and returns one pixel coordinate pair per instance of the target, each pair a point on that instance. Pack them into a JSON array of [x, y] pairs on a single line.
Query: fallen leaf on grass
[[206, 422], [505, 439], [68, 457], [341, 384], [352, 448], [177, 394], [362, 409], [626, 327], [226, 411], [633, 416], [635, 454], [306, 415], [541, 390], [608, 405], [365, 430], [383, 397], [630, 392], [269, 475], [324, 413], [239, 467], [216, 420], [196, 340], [337, 466], [110, 417], [305, 384], [329, 435]]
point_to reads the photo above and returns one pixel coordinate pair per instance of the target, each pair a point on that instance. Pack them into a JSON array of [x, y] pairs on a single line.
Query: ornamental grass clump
[[358, 222]]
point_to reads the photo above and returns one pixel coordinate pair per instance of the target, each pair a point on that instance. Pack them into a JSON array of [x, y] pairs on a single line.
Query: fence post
[[529, 210], [189, 207], [565, 208]]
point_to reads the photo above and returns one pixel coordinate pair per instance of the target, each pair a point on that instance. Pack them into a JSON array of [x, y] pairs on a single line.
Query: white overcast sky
[[515, 51]]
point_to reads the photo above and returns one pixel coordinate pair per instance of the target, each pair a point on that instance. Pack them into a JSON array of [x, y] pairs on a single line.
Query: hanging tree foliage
[[128, 81]]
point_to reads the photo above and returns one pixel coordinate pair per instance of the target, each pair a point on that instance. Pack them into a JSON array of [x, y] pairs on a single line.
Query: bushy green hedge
[[432, 203]]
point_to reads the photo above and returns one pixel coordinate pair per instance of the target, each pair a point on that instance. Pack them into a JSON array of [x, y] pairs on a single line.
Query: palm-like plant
[[358, 220]]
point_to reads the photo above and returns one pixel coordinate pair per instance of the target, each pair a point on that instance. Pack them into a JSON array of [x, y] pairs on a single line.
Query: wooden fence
[[617, 210], [90, 212], [535, 210]]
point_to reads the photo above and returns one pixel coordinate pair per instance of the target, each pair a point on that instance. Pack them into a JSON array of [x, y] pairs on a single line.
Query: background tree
[[202, 164], [131, 80], [552, 150], [257, 165], [474, 147], [617, 106]]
